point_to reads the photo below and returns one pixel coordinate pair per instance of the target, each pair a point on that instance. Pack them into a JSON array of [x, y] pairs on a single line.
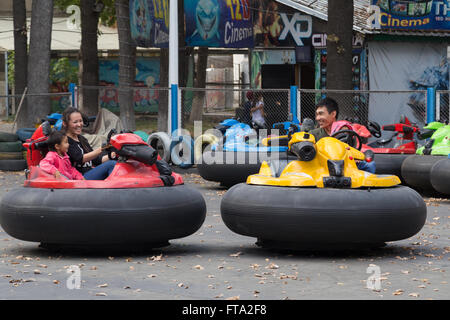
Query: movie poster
[[275, 25], [149, 22], [218, 23], [410, 14]]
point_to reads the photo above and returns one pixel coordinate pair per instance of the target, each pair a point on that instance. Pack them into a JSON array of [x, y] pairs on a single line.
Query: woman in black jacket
[[90, 163]]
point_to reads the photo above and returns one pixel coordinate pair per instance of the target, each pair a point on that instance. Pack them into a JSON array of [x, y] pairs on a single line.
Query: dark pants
[[100, 172]]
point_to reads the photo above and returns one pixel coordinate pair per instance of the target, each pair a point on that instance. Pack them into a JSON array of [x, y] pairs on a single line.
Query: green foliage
[[11, 68], [61, 71], [108, 15]]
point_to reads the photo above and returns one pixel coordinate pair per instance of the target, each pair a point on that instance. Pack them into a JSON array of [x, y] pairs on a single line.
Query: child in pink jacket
[[57, 162]]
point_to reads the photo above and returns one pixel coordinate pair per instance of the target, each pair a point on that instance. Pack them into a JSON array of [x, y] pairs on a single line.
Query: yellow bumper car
[[322, 201]]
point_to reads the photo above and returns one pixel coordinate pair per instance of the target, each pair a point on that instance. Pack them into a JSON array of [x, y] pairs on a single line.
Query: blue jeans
[[100, 172], [366, 166]]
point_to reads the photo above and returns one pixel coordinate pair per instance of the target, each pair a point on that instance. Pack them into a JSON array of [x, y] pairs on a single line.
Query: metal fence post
[[72, 87], [438, 106], [293, 101], [174, 107], [431, 105]]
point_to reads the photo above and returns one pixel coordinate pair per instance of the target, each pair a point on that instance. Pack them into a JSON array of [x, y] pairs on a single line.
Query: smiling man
[[327, 111]]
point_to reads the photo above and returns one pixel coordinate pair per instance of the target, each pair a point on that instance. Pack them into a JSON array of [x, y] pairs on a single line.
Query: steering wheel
[[374, 129], [349, 137], [108, 140]]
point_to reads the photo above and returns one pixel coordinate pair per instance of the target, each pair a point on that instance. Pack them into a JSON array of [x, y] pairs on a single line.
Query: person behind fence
[[246, 108], [90, 163], [327, 111], [258, 110], [56, 161]]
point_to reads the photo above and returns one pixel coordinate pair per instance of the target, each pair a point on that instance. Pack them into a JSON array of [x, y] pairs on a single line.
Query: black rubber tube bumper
[[316, 218], [440, 176], [416, 171], [389, 163], [230, 168], [102, 217]]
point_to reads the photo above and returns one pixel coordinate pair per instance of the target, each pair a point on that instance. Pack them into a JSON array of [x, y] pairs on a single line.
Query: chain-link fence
[[442, 106], [215, 104], [363, 106], [145, 100], [212, 105], [150, 105], [10, 105]]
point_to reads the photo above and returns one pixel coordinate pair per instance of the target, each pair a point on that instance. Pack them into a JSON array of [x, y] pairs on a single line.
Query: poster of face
[[149, 22], [218, 23]]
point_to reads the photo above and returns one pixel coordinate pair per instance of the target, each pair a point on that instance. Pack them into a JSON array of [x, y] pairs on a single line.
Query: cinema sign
[[409, 15]]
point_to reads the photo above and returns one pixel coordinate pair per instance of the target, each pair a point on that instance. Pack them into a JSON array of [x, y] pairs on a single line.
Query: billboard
[[149, 22], [276, 25], [409, 14], [218, 23]]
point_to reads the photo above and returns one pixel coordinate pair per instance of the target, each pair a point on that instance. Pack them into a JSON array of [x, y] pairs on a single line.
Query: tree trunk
[[88, 102], [20, 50], [199, 97], [163, 104], [339, 52], [127, 65], [39, 63]]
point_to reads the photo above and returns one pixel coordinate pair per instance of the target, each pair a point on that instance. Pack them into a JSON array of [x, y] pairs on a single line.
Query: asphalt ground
[[217, 264]]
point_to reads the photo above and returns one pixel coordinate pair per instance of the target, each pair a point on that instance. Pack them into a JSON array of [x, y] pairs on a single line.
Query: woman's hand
[[106, 158], [92, 155]]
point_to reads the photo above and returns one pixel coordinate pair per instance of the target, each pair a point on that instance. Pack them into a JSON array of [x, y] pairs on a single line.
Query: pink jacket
[[53, 161]]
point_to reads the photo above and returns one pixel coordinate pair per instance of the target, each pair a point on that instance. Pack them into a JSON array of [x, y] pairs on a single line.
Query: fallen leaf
[[233, 298], [237, 254], [151, 275], [272, 266], [102, 285], [198, 267], [101, 294], [398, 292], [414, 294]]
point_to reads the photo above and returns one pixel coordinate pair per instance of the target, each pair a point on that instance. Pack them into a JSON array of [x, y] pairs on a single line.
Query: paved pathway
[[215, 263]]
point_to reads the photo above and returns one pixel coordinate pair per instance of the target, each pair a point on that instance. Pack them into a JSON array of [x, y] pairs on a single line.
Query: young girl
[[57, 162]]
